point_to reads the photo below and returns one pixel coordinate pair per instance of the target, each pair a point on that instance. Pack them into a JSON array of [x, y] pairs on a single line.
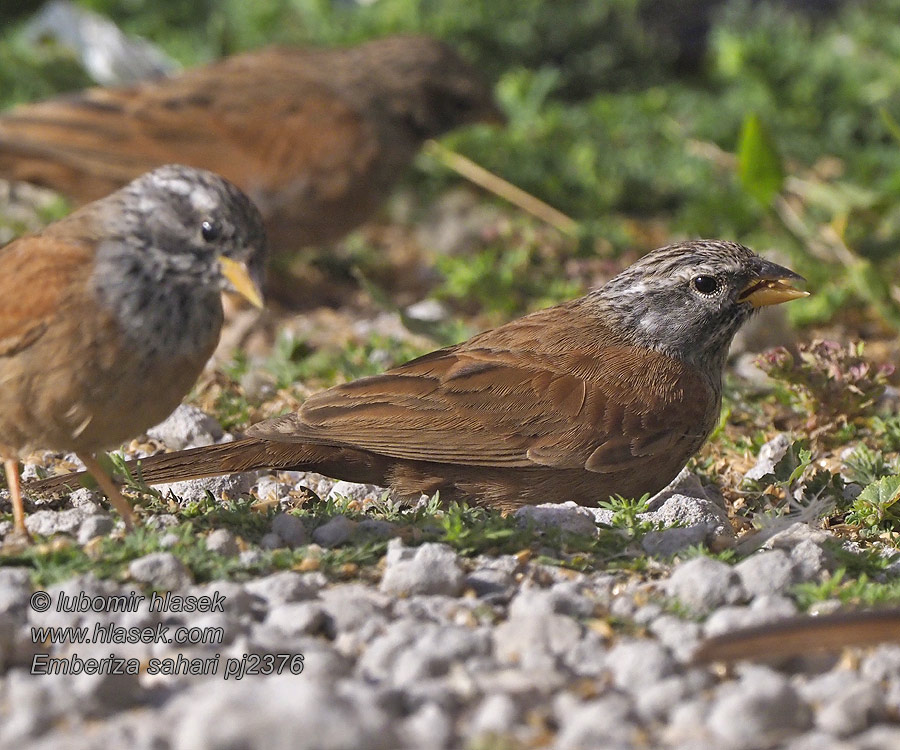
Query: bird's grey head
[[689, 299], [185, 221]]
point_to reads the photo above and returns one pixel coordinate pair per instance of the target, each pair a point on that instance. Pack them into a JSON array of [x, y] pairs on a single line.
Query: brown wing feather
[[505, 399], [44, 273]]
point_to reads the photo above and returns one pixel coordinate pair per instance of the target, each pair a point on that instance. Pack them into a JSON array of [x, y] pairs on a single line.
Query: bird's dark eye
[[211, 230], [705, 284]]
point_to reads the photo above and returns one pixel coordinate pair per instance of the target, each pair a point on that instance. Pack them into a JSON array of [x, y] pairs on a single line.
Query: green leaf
[[793, 463], [759, 164], [883, 493]]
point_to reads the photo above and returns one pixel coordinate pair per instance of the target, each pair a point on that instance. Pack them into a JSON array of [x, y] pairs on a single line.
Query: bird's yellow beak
[[239, 277], [764, 292]]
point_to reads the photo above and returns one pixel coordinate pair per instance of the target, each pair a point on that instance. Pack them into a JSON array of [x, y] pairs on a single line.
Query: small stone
[[573, 598], [250, 558], [759, 710], [15, 592], [162, 521], [36, 705], [568, 516], [298, 618], [604, 723], [490, 582], [690, 512], [684, 483], [50, 522], [271, 541], [88, 500], [638, 664], [535, 640], [238, 601], [335, 531], [765, 609], [669, 542], [824, 607], [379, 659], [269, 489], [223, 542], [769, 455], [286, 712], [167, 541], [774, 606], [360, 493], [686, 725], [429, 727], [290, 529], [229, 487], [428, 310], [767, 572], [882, 664], [439, 647], [845, 704], [102, 694], [792, 535], [160, 569], [354, 606], [705, 584], [679, 636], [94, 526], [497, 714], [429, 569], [879, 737], [658, 699], [810, 560], [284, 587], [603, 517], [816, 740], [187, 427], [587, 657]]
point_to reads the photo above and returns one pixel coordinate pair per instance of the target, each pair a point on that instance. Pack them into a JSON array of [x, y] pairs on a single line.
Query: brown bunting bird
[[316, 137], [609, 393], [110, 314]]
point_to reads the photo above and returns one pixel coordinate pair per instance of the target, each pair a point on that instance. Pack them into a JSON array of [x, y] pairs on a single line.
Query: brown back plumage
[[315, 137]]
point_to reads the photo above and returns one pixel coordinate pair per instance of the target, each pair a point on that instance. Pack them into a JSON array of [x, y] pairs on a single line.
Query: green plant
[[833, 383], [626, 514], [876, 510], [866, 466]]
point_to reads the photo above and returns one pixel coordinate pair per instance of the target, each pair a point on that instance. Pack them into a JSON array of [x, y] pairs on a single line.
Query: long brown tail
[[797, 636], [209, 461]]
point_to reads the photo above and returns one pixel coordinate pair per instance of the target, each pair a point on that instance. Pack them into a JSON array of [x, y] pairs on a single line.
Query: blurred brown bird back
[[315, 137]]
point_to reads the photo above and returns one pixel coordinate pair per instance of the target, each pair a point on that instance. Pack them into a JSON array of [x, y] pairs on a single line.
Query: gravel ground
[[437, 650]]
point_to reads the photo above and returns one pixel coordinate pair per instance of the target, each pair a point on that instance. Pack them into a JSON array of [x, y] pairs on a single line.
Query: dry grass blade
[[498, 186]]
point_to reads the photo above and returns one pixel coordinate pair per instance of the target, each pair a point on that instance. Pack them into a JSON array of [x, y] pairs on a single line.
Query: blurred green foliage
[[609, 125]]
